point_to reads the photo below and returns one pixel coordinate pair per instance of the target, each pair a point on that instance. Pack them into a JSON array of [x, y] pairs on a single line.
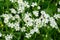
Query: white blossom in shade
[[8, 37], [28, 35], [59, 2], [38, 7], [58, 9], [36, 13], [23, 29], [34, 4], [0, 34], [13, 10], [56, 16], [53, 24]]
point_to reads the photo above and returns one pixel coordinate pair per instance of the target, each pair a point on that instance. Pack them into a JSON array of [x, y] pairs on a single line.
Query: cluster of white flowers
[[8, 17], [28, 20], [56, 16], [35, 23], [22, 5], [40, 22], [8, 37], [53, 23]]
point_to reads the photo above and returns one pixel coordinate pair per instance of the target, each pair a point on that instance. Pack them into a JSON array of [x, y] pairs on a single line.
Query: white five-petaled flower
[[34, 4]]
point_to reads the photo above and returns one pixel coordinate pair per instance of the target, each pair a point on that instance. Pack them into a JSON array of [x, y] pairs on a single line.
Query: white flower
[[17, 27], [8, 37], [13, 10], [36, 29], [56, 16], [34, 4], [38, 22], [21, 8], [28, 20], [58, 9], [36, 13], [6, 17], [38, 7], [6, 20], [0, 34], [42, 12], [29, 23], [13, 1], [32, 31], [20, 1], [28, 35], [53, 24], [10, 25], [26, 4], [23, 29], [46, 20]]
